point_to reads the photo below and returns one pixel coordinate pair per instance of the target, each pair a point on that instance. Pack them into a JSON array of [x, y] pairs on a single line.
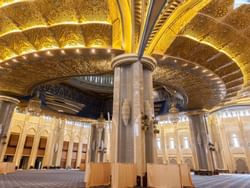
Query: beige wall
[[229, 130], [55, 129], [231, 133], [175, 135]]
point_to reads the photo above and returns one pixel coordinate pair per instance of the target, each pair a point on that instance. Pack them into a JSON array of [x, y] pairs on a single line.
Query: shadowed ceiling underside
[[202, 49]]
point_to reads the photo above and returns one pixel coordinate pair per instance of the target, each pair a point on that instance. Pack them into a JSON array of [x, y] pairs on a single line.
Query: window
[[238, 3], [158, 142], [185, 142], [171, 143], [235, 141], [48, 118], [69, 122]]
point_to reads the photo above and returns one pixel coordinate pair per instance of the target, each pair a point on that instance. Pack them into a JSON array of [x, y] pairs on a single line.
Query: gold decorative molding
[[180, 17], [9, 99], [42, 40], [20, 77]]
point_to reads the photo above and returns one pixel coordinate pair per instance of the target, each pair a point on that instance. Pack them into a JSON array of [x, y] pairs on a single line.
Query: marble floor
[[74, 179]]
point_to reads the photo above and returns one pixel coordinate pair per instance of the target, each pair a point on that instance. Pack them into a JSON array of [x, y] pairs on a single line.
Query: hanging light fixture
[[100, 122], [173, 115], [34, 106]]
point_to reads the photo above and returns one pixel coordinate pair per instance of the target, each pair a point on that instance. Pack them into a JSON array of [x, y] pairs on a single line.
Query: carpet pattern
[[222, 181], [74, 179], [43, 179]]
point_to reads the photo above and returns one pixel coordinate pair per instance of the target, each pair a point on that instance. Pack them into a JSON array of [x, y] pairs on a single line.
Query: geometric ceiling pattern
[[202, 47]]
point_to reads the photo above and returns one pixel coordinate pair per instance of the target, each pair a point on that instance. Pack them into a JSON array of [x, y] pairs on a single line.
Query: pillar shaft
[[132, 105], [200, 139], [7, 106], [96, 149], [69, 154], [58, 143]]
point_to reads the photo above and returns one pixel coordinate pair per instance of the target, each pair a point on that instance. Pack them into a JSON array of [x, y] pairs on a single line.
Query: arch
[[189, 162], [16, 129], [45, 133], [241, 165], [67, 137], [172, 161], [76, 139], [31, 131]]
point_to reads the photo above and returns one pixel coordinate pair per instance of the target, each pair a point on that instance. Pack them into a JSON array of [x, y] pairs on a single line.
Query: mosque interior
[[151, 84]]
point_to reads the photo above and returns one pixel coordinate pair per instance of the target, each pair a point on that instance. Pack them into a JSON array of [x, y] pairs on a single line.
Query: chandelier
[[173, 114], [34, 106], [100, 122]]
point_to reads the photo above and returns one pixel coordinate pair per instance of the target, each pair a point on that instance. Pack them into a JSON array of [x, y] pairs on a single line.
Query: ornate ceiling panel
[[188, 51], [224, 30], [171, 21], [21, 76], [216, 38], [30, 26], [42, 40], [200, 89]]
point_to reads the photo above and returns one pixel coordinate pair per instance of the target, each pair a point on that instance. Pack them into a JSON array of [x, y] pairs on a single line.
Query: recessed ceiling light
[[109, 50], [78, 51], [196, 67], [63, 52], [204, 70], [36, 55], [24, 57], [184, 65], [93, 50], [49, 53], [175, 60], [163, 57], [14, 60]]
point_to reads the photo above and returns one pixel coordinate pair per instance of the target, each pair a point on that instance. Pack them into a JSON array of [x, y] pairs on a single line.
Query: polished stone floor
[[74, 179]]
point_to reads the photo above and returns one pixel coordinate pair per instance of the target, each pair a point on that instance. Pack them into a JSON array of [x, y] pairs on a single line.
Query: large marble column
[[200, 140], [33, 155], [133, 109], [70, 150], [97, 141], [7, 106], [58, 143]]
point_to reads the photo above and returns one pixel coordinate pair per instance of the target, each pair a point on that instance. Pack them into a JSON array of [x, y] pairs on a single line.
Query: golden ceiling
[[202, 46]]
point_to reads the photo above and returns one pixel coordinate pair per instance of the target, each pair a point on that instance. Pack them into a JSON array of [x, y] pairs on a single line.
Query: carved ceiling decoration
[[225, 29], [218, 63], [42, 40], [30, 26], [191, 77], [21, 76]]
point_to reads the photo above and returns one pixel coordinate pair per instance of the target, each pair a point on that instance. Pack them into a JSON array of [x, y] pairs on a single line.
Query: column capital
[[126, 59], [9, 99]]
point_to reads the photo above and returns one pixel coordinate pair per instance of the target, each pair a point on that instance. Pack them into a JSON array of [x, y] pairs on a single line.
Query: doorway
[[39, 162], [24, 162]]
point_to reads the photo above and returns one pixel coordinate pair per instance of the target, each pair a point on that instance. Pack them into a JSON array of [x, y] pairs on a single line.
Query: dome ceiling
[[201, 46]]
